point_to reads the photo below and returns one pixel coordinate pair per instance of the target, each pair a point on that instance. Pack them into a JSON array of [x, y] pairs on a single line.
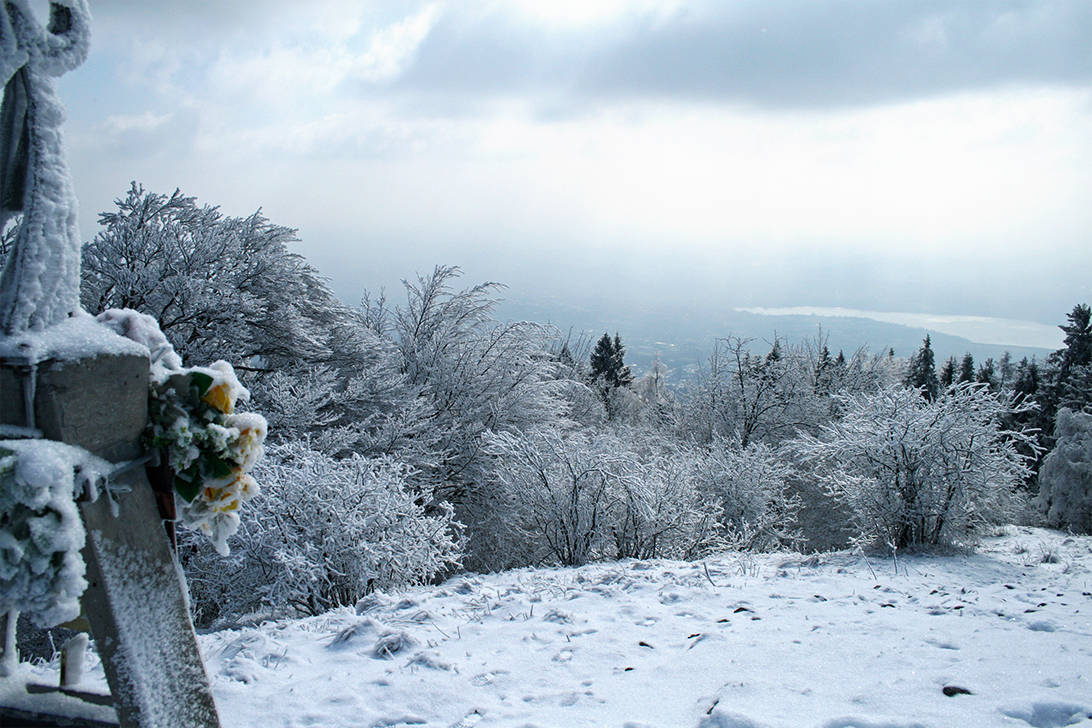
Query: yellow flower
[[221, 397], [248, 487], [228, 507]]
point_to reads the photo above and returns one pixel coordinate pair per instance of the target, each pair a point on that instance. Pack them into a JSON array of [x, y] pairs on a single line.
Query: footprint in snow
[[485, 679], [557, 617], [1049, 715], [390, 644]]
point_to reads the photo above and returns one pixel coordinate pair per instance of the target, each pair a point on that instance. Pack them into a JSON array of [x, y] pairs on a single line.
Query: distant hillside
[[682, 336]]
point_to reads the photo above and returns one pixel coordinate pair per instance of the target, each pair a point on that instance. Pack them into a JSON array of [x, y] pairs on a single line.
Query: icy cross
[[40, 284]]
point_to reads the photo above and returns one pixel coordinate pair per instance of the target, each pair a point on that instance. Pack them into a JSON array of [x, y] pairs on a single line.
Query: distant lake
[[982, 329]]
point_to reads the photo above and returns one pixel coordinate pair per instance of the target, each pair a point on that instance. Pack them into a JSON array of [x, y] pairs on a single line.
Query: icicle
[[30, 391], [9, 660], [72, 655]]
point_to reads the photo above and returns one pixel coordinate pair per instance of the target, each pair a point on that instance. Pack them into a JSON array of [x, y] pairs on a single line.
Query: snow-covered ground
[[830, 641]]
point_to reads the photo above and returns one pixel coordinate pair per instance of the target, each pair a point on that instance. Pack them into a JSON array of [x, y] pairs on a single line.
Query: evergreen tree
[[966, 369], [622, 377], [822, 375], [1027, 378], [609, 372], [1005, 370], [1065, 377], [608, 363], [1078, 340], [922, 372], [986, 374], [602, 357], [775, 352], [947, 372]]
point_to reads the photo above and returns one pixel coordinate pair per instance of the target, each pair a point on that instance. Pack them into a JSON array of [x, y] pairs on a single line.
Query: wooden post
[[135, 601]]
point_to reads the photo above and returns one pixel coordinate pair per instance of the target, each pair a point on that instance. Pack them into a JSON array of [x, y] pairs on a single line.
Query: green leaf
[[186, 489], [202, 381], [219, 467]]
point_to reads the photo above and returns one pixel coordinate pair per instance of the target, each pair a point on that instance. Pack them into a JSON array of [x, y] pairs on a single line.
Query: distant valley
[[683, 336]]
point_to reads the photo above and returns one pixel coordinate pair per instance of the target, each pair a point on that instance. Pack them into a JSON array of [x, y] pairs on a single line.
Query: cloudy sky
[[917, 156]]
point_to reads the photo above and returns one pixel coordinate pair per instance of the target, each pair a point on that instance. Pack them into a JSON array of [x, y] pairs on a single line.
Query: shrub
[[918, 472], [324, 532]]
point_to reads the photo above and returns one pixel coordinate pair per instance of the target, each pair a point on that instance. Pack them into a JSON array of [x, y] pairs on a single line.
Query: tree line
[[414, 438]]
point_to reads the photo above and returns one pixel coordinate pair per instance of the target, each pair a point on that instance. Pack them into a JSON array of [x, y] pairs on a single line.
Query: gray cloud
[[785, 54]]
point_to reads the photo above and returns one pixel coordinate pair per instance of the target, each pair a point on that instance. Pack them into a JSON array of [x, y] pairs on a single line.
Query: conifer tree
[[1077, 351], [1005, 369], [922, 372], [947, 372], [622, 377], [987, 374], [1027, 377], [608, 363], [966, 369]]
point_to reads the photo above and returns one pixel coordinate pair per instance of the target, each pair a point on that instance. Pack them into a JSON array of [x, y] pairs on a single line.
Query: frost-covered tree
[[750, 488], [741, 396], [221, 287], [323, 533], [557, 492], [572, 497], [745, 396], [656, 396], [478, 374], [919, 472], [1065, 478]]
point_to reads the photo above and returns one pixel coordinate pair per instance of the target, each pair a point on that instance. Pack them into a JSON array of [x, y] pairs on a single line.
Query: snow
[[40, 284], [41, 533], [144, 330], [77, 337], [828, 641]]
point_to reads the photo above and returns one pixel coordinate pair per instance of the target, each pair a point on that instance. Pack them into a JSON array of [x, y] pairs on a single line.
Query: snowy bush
[[918, 472], [555, 489], [574, 497], [1065, 479], [750, 488], [658, 509], [325, 532]]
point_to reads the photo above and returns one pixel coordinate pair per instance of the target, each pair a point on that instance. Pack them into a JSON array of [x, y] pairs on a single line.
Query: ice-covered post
[[40, 284], [66, 378]]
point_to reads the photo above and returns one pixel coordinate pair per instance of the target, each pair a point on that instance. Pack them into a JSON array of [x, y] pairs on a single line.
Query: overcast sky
[[879, 154]]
